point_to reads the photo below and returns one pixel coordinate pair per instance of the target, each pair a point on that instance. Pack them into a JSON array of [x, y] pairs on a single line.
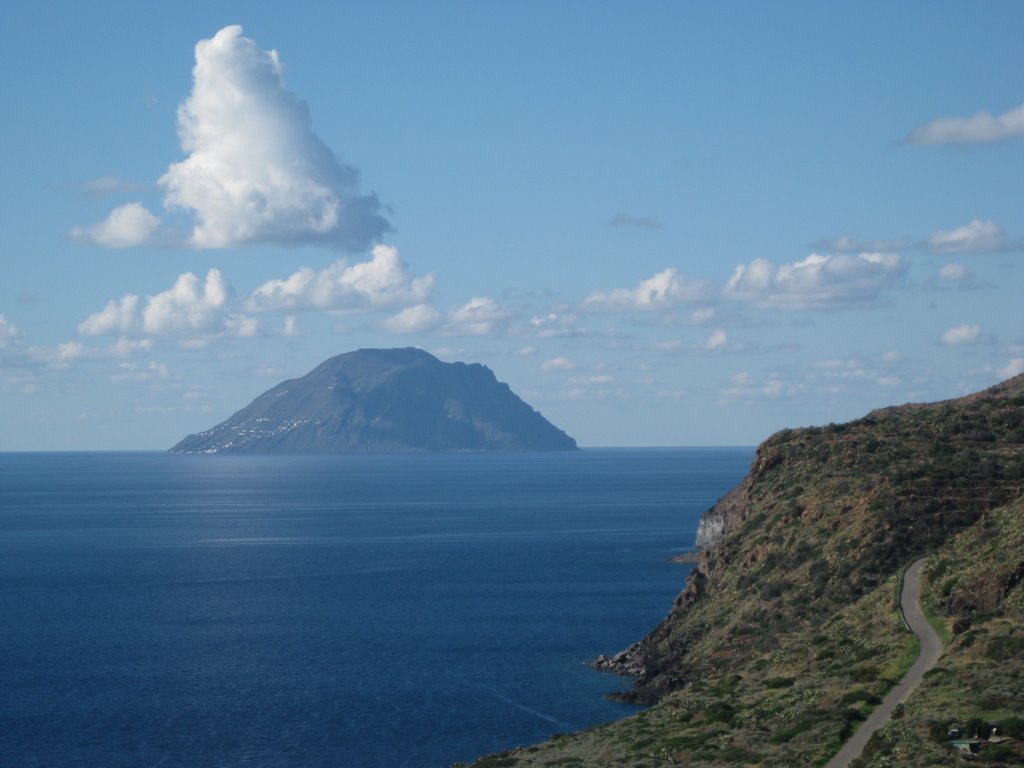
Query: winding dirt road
[[931, 650]]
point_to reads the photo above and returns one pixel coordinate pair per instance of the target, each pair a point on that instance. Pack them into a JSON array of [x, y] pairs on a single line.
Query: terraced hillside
[[787, 633]]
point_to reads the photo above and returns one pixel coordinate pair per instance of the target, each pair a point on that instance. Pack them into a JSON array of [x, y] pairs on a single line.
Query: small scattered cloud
[[195, 306], [8, 331], [697, 317], [1013, 368], [854, 244], [746, 387], [718, 339], [290, 327], [479, 316], [702, 315], [669, 345], [980, 128], [415, 319], [846, 366], [671, 394], [835, 281], [602, 378], [828, 378], [125, 347], [960, 335], [256, 172], [625, 220], [383, 282], [132, 373], [126, 226], [557, 364], [528, 351], [60, 356], [108, 185], [449, 353], [68, 354], [664, 289], [572, 393], [955, 273], [552, 325], [976, 236], [118, 316], [836, 375], [197, 392]]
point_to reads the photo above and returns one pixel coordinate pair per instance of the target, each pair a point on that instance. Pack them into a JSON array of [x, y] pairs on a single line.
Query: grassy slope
[[975, 586], [787, 633]]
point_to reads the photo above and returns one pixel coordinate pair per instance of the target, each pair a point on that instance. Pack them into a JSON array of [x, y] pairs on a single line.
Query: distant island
[[384, 401]]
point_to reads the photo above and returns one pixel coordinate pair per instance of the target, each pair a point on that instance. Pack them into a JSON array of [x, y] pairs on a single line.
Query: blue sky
[[660, 223]]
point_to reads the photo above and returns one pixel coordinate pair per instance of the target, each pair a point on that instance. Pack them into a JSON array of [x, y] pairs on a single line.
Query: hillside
[[787, 632], [380, 401]]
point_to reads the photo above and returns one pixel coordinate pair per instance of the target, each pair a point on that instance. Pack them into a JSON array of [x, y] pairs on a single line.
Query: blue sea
[[385, 610]]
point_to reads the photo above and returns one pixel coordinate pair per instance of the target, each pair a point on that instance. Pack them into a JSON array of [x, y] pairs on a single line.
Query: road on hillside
[[931, 650]]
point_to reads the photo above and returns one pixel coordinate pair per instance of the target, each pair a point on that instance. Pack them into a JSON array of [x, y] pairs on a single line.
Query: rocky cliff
[[787, 634], [384, 400], [827, 514]]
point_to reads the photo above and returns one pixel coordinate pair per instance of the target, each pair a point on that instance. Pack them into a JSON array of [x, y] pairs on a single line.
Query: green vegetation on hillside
[[975, 585], [788, 634]]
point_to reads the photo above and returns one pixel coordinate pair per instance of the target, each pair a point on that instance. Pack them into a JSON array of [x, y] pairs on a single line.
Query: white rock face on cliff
[[726, 516], [711, 529]]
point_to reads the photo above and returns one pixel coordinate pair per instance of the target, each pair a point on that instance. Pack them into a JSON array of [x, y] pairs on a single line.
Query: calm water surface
[[407, 610]]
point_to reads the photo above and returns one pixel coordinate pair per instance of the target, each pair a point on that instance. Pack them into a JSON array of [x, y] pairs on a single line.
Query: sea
[[407, 610]]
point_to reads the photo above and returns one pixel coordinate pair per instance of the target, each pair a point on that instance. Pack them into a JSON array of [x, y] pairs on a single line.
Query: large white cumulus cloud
[[255, 171]]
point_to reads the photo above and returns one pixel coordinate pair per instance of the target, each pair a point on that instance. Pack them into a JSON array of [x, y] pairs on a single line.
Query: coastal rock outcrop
[[628, 662]]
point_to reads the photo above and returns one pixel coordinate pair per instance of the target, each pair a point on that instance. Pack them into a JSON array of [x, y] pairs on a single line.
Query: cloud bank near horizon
[[195, 308], [817, 282]]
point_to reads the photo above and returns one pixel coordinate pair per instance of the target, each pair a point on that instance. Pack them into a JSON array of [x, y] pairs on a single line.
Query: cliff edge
[[787, 633]]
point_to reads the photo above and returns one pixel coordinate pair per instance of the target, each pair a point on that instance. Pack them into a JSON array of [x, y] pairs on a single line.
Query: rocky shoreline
[[628, 663], [719, 519]]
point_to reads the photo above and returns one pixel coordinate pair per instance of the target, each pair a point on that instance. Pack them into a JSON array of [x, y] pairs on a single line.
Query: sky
[[661, 223]]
